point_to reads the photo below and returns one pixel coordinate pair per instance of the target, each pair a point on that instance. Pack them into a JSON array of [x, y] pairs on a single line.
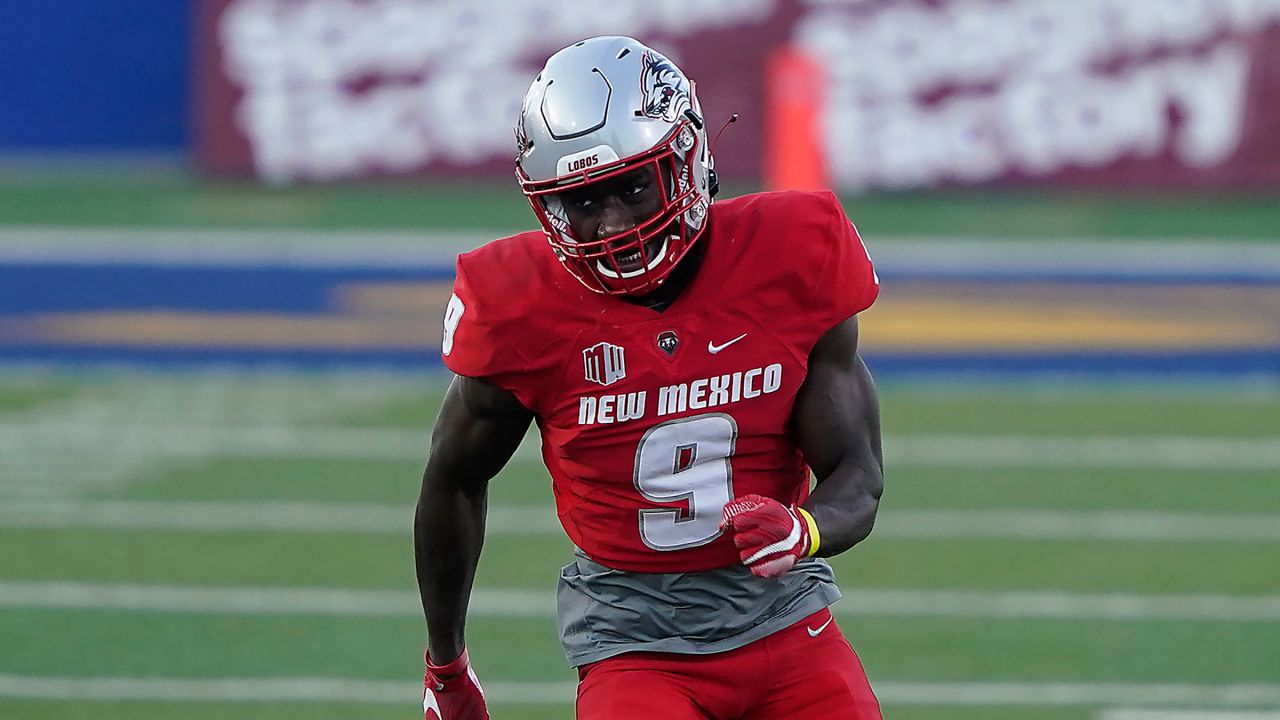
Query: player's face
[[616, 205]]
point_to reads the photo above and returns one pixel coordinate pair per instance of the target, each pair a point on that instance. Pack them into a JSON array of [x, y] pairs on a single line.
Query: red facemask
[[596, 263]]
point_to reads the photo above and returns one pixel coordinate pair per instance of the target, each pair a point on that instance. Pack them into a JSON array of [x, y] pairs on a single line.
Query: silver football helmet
[[600, 108]]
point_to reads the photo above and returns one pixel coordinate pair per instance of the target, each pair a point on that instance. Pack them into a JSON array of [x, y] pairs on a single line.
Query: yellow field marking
[[916, 317], [960, 324]]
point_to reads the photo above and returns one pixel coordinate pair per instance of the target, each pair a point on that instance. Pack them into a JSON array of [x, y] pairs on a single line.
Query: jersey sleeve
[[846, 282], [475, 342]]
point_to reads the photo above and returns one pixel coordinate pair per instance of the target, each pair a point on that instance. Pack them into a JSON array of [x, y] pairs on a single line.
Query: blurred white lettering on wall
[[338, 88], [967, 91]]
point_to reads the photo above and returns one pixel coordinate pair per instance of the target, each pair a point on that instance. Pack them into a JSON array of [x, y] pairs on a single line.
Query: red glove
[[452, 692], [770, 536]]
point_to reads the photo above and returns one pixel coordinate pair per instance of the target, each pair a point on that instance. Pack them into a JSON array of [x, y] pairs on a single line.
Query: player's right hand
[[452, 691]]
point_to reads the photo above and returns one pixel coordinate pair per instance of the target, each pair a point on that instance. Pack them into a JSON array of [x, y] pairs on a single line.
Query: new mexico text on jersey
[[652, 421], [700, 394]]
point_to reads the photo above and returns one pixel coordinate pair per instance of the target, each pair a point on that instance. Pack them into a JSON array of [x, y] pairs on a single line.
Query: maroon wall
[[1094, 93]]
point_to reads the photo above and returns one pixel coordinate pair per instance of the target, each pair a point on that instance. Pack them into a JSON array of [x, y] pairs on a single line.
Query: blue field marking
[[168, 314], [27, 289], [1225, 364]]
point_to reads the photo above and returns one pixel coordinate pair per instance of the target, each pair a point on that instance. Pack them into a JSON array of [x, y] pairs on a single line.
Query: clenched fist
[[770, 536]]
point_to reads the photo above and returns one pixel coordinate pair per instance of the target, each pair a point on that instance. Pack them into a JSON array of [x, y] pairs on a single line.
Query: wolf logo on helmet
[[666, 93], [522, 139]]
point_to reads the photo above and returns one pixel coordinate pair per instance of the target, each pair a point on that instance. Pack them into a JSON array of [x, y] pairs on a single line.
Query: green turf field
[[148, 199], [217, 545], [222, 545]]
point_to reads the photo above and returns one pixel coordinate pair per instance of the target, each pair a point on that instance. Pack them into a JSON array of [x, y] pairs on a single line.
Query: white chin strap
[[657, 258]]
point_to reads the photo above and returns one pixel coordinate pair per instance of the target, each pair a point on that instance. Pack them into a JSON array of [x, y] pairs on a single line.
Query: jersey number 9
[[685, 460]]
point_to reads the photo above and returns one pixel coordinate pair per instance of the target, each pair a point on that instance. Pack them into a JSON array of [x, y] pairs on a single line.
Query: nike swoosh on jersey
[[714, 348], [823, 626]]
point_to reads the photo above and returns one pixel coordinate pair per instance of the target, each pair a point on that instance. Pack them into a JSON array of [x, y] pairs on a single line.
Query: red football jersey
[[652, 421]]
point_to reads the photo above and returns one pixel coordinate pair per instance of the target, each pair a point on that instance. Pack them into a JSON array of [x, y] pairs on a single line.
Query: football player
[[688, 364]]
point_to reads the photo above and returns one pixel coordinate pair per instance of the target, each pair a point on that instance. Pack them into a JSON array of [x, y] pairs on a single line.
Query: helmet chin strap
[[658, 256]]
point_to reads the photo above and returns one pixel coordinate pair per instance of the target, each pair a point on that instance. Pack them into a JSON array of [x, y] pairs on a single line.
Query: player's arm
[[836, 421], [478, 429]]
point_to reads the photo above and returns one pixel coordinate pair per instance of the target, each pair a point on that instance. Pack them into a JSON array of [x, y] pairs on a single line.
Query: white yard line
[[255, 690], [1083, 452], [378, 519], [113, 433], [270, 516], [261, 600], [890, 692], [1123, 714], [1075, 694], [1058, 606], [396, 249], [88, 444], [1113, 257], [541, 604], [1079, 525], [247, 248], [128, 435]]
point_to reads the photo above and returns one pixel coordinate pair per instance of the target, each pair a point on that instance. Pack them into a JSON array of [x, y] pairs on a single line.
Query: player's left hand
[[452, 692], [770, 536]]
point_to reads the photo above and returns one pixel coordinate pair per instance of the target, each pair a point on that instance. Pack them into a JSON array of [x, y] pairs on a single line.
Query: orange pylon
[[793, 148]]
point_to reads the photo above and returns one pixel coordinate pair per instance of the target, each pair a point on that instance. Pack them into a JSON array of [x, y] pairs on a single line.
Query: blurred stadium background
[[226, 236]]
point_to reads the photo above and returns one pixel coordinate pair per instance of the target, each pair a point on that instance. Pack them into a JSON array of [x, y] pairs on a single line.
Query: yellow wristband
[[814, 537]]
